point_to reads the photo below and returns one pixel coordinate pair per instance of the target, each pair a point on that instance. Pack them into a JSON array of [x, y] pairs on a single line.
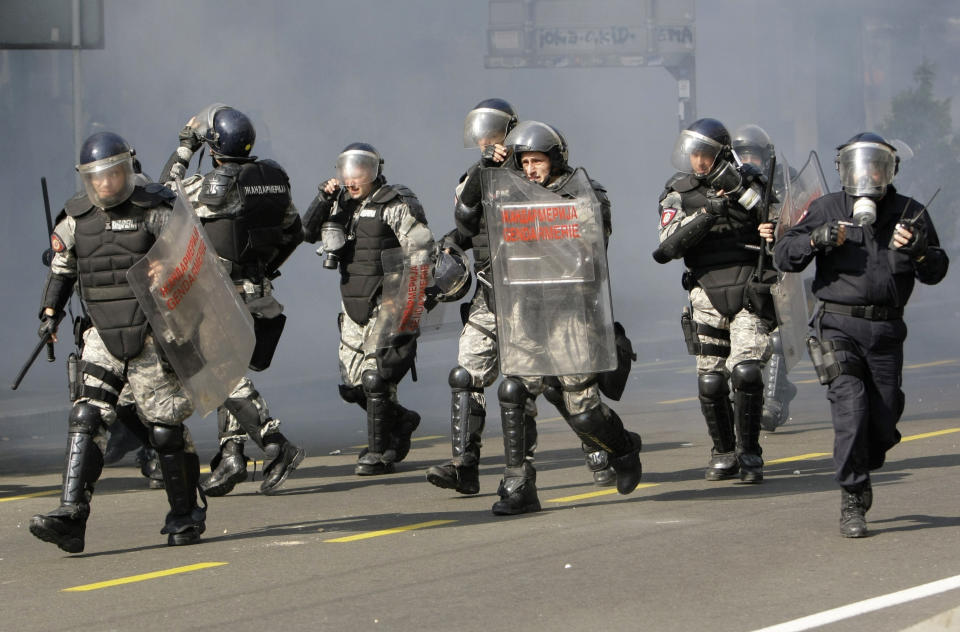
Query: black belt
[[869, 312]]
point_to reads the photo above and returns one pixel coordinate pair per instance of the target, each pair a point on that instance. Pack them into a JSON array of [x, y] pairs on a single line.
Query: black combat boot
[[467, 418], [602, 427], [186, 521], [66, 525], [748, 411], [598, 462], [379, 457], [281, 458], [853, 509], [405, 421], [518, 489], [227, 468], [718, 413]]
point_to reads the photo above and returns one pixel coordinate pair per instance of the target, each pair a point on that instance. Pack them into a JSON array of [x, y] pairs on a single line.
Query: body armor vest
[[361, 270], [248, 229], [108, 242]]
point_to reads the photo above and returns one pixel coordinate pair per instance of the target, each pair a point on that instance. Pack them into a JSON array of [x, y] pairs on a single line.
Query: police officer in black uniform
[[754, 147], [710, 216], [246, 210], [871, 245], [357, 216], [105, 231]]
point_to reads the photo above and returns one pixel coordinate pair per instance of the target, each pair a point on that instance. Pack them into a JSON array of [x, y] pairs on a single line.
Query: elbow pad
[[467, 219], [674, 246], [56, 292]]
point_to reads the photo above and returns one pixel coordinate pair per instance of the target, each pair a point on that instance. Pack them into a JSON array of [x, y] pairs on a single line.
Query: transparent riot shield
[[195, 312], [406, 277], [789, 298], [550, 277]]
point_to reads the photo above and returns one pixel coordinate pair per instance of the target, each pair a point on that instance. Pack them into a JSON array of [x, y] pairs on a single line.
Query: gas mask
[[866, 168], [333, 238], [738, 184]]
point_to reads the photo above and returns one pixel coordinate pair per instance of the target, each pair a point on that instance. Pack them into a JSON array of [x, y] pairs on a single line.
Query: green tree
[[924, 123]]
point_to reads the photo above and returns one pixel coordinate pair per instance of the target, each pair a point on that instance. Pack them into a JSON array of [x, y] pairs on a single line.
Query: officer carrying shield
[[358, 216], [710, 216], [246, 210], [544, 348], [105, 232], [871, 245], [754, 147]]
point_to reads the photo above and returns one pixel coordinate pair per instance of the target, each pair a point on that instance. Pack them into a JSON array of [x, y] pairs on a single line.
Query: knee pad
[[373, 383], [460, 379], [85, 418], [553, 392], [351, 394], [776, 343], [712, 385], [748, 376], [512, 393], [166, 439]]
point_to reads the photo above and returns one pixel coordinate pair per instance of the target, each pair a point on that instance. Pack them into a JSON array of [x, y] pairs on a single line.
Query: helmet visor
[[695, 153], [866, 168], [203, 121], [109, 181], [485, 126], [356, 166]]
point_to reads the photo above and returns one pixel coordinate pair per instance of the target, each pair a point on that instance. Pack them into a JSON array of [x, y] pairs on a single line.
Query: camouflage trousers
[[477, 351], [358, 348], [749, 335], [149, 381]]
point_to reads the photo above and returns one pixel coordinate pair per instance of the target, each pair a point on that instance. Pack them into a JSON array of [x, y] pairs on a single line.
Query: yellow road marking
[[426, 438], [206, 468], [605, 492], [936, 433], [49, 492], [800, 457], [927, 364], [677, 401], [139, 578], [376, 534]]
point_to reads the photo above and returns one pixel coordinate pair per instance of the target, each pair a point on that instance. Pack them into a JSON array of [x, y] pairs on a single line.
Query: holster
[[613, 383], [74, 383], [824, 359], [689, 331]]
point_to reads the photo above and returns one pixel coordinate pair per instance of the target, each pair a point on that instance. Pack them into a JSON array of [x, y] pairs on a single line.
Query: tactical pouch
[[394, 361], [689, 331], [74, 385], [612, 383], [267, 332], [824, 359]]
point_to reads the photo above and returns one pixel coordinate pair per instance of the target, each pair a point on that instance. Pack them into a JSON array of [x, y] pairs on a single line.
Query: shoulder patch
[[217, 183], [667, 216], [56, 243]]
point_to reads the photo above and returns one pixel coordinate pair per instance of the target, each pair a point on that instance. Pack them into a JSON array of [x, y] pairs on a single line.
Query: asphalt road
[[339, 552]]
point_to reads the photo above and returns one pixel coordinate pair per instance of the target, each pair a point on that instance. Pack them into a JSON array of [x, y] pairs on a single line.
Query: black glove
[[48, 326], [716, 205], [917, 246], [487, 157], [828, 235], [189, 138]]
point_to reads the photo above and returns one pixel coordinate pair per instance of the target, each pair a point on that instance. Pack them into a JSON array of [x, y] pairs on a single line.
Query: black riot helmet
[[360, 162], [537, 136], [451, 274], [106, 168], [753, 146], [705, 139], [488, 123], [230, 134]]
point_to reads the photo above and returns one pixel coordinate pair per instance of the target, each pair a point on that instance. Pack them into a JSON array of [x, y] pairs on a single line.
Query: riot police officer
[[871, 245], [105, 232], [540, 153], [358, 216], [754, 147], [709, 216], [246, 210]]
